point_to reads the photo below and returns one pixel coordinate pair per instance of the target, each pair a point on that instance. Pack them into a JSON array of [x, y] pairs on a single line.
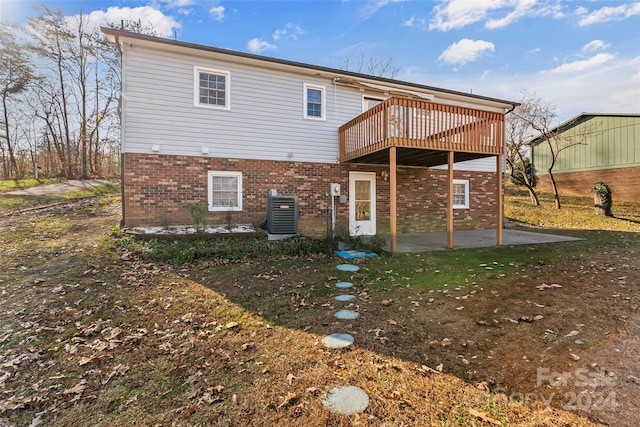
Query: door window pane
[[363, 200]]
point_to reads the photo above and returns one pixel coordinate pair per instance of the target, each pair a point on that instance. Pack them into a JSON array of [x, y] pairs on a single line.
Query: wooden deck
[[412, 124]]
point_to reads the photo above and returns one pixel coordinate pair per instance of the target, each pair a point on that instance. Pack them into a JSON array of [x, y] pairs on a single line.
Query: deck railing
[[413, 123]]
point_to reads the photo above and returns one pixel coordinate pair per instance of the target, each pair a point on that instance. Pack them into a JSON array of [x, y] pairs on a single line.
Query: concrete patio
[[424, 242]]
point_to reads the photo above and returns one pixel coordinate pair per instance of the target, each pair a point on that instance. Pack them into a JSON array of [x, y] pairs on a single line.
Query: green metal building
[[601, 147]]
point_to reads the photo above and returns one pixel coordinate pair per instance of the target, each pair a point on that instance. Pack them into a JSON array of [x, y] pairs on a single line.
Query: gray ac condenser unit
[[282, 214]]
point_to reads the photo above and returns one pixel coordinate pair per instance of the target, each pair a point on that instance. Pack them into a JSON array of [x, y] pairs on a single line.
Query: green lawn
[[21, 184], [21, 202]]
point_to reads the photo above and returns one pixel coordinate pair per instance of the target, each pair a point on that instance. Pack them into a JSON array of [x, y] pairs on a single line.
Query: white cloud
[[452, 14], [581, 10], [534, 51], [611, 88], [413, 21], [584, 64], [522, 8], [607, 14], [163, 24], [370, 8], [292, 31], [595, 45], [217, 12], [466, 50], [256, 45]]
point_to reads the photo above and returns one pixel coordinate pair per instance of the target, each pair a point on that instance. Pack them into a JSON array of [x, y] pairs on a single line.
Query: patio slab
[[425, 242]]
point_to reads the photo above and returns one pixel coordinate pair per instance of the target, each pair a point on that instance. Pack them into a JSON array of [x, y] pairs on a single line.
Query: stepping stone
[[347, 315], [346, 400], [337, 340], [344, 285], [348, 267], [345, 297]]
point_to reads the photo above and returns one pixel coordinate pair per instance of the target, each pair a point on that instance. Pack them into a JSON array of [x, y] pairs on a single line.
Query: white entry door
[[362, 203]]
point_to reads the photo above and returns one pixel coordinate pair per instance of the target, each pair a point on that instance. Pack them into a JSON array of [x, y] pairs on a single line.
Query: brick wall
[[624, 182], [158, 187]]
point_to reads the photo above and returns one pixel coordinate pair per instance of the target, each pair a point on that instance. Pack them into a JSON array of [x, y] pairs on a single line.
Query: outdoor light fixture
[[384, 174]]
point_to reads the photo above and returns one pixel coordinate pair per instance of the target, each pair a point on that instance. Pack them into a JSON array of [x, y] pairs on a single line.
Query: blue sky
[[582, 56]]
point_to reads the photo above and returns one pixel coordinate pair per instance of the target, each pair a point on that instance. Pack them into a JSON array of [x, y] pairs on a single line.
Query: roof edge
[[113, 34], [574, 121]]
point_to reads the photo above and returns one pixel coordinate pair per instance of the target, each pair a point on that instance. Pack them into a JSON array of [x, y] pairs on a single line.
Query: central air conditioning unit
[[282, 214]]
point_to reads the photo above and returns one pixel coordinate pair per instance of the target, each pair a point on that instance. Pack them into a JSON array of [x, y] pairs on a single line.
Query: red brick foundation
[[158, 187], [624, 182]]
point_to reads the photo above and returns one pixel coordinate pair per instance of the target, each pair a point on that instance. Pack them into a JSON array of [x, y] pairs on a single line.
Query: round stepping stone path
[[346, 400], [337, 341], [347, 315]]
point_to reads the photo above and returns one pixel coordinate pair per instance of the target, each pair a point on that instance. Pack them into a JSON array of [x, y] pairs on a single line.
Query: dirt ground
[[560, 334], [563, 333]]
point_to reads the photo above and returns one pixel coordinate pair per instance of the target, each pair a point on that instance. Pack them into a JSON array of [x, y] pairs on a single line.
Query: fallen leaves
[[484, 417], [290, 379], [289, 399], [119, 369], [76, 389]]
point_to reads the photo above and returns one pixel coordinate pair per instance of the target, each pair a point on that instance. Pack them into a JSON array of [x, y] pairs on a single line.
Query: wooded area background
[[60, 89]]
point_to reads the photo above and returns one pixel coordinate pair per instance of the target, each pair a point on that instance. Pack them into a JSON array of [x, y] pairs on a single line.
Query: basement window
[[225, 191], [461, 194]]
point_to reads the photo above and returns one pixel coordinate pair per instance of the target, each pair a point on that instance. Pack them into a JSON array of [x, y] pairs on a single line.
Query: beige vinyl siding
[[265, 120]]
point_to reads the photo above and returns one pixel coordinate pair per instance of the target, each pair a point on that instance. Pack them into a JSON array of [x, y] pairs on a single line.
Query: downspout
[[122, 222]]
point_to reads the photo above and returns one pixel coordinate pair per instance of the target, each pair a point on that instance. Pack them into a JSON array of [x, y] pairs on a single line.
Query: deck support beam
[[500, 199], [393, 199], [450, 201]]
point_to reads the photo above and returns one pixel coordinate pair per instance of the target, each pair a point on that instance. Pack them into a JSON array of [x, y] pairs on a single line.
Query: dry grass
[[577, 212], [90, 337]]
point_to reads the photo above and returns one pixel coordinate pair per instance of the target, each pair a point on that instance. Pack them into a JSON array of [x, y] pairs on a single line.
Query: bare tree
[[540, 115], [519, 133], [378, 64], [53, 41], [16, 74]]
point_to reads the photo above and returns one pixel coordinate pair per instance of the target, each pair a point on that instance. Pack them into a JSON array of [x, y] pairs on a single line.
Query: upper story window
[[212, 88], [369, 102], [314, 102], [460, 194]]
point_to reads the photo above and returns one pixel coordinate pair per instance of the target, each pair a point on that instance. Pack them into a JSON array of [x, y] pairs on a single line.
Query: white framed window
[[211, 88], [369, 102], [314, 102], [225, 191], [461, 194]]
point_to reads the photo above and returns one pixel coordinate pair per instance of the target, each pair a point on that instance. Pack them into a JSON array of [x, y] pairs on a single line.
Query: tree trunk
[[12, 160], [556, 196]]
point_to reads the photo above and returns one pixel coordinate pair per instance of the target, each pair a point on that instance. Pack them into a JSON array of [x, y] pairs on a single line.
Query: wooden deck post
[[500, 199], [450, 202], [392, 197]]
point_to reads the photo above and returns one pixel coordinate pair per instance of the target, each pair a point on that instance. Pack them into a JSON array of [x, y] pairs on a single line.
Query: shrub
[[230, 249], [198, 212], [602, 199]]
